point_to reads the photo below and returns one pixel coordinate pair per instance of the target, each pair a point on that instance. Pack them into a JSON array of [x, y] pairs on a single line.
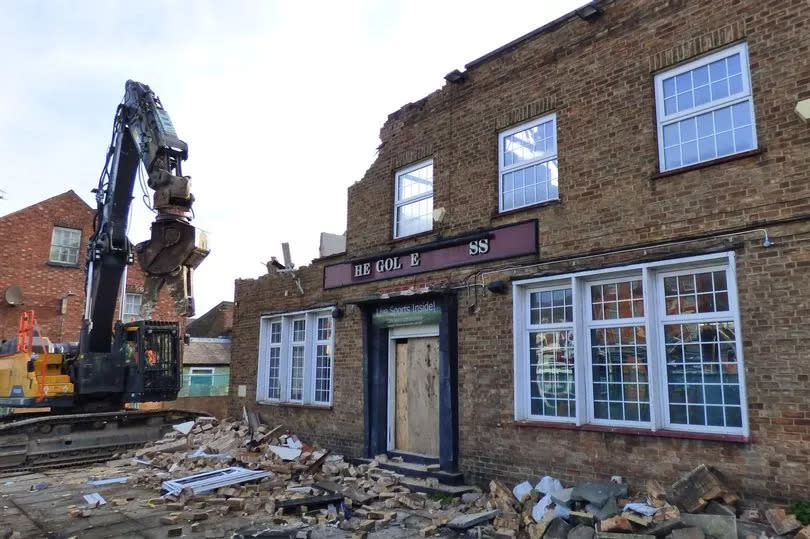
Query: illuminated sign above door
[[504, 242]]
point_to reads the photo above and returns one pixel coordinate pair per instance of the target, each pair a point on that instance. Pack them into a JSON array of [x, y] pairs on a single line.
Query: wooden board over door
[[417, 395]]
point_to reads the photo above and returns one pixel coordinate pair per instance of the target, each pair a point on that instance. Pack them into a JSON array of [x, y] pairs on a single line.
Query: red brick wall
[[598, 78], [25, 242]]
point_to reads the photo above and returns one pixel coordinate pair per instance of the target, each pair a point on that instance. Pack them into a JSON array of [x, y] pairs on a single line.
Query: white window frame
[[309, 343], [591, 323], [294, 343], [127, 315], [540, 327], [78, 247], [652, 275], [331, 357], [503, 169], [404, 202], [663, 119], [270, 347]]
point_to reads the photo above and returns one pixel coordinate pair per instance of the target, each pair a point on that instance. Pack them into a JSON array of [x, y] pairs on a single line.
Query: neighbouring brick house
[[587, 254], [43, 248]]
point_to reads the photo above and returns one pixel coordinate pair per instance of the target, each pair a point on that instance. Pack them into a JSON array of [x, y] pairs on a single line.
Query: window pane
[[536, 142], [299, 330], [65, 243], [697, 292], [699, 368], [132, 307], [621, 387], [547, 307], [323, 373], [551, 373], [703, 84], [415, 182], [535, 183], [273, 368], [324, 328], [275, 332], [617, 300], [297, 374], [743, 139], [415, 217]]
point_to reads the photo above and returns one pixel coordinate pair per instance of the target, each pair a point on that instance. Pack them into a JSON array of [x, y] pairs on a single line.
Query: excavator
[[89, 389]]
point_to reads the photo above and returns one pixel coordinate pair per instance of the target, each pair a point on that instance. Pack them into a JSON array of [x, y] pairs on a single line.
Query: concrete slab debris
[[598, 493], [717, 508], [581, 532], [716, 526], [611, 535], [558, 529], [562, 496], [662, 529], [463, 522], [688, 533], [782, 522]]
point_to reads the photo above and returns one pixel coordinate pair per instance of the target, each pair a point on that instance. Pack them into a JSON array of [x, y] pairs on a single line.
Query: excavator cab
[[144, 366], [152, 360]]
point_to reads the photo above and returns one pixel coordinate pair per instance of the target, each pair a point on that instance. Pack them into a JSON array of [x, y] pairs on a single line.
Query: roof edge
[[69, 192], [515, 43]]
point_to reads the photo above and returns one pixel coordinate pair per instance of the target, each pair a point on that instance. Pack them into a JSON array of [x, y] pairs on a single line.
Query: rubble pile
[[698, 506], [305, 485], [206, 469]]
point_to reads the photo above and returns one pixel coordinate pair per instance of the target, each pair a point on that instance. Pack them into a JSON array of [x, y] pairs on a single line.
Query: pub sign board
[[508, 241]]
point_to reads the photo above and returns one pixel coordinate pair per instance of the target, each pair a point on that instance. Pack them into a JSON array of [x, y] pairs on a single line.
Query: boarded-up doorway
[[416, 395]]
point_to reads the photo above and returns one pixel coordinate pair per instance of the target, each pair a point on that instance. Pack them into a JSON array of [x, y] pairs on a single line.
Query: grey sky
[[280, 102]]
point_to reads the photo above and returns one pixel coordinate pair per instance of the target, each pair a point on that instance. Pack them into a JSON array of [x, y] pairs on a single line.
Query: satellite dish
[[13, 295]]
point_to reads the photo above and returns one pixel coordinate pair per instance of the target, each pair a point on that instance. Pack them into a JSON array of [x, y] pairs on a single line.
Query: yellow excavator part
[[14, 376]]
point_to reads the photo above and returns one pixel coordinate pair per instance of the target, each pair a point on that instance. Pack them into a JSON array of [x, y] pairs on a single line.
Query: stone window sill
[[62, 264], [286, 404], [719, 160], [418, 235], [538, 205], [662, 433]]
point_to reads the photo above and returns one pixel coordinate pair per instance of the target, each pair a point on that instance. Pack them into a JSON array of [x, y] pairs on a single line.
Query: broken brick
[[617, 523]]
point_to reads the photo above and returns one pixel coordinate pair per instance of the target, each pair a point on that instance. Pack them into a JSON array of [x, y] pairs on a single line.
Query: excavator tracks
[[54, 441]]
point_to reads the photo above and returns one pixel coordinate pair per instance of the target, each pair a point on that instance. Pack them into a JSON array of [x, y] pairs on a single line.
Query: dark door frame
[[375, 378]]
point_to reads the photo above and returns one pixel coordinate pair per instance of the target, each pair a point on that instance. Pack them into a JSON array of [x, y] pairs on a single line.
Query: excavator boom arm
[[143, 133]]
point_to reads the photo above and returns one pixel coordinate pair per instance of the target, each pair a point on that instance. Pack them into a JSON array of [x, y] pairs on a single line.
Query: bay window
[[296, 354], [647, 346]]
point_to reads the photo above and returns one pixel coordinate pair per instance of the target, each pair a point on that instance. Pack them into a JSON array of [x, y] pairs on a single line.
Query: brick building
[[586, 254], [43, 249]]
